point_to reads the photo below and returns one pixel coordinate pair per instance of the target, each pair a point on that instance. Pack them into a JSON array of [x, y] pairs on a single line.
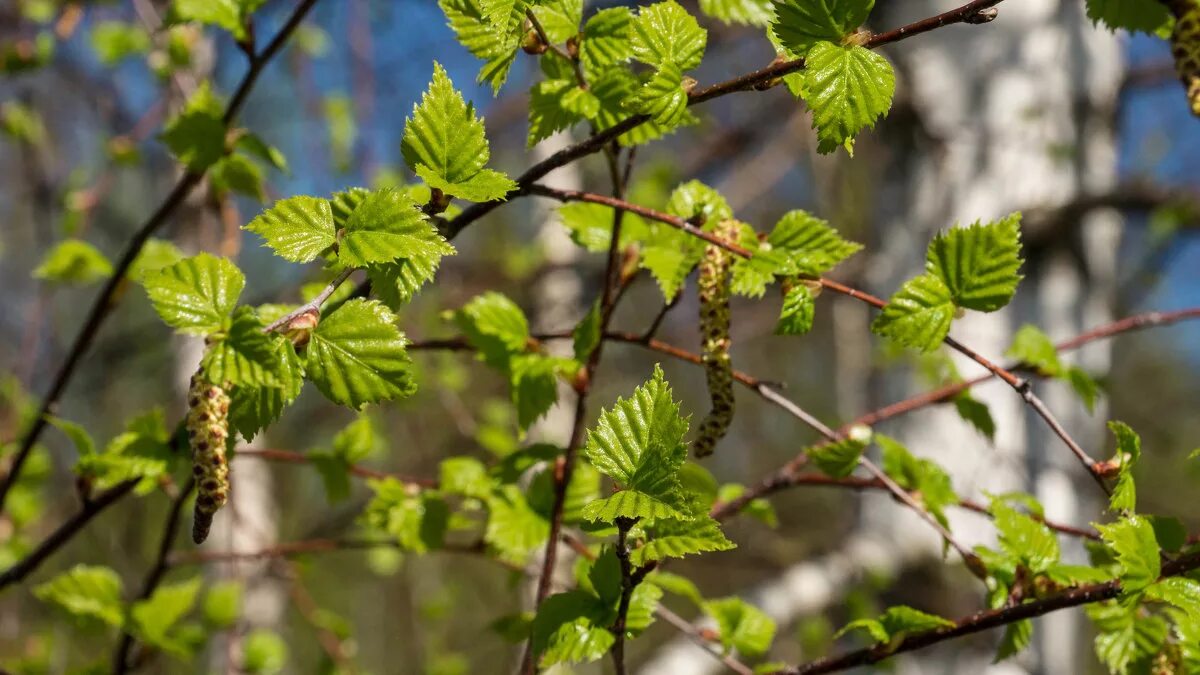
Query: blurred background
[[1086, 132]]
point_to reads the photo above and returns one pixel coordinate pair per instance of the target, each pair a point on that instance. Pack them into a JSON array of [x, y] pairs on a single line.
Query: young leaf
[[154, 617], [85, 591], [1017, 636], [548, 109], [566, 629], [226, 14], [497, 48], [743, 626], [639, 444], [664, 33], [1132, 542], [586, 335], [748, 12], [251, 409], [197, 294], [387, 226], [980, 263], [495, 326], [606, 40], [464, 476], [416, 520], [357, 356], [1023, 538], [1034, 348], [298, 229], [796, 316], [896, 623], [918, 315], [114, 40], [811, 245], [196, 136], [976, 413], [73, 261], [445, 144], [800, 24], [534, 386], [662, 96], [243, 355], [848, 88], [678, 538], [1129, 451], [1146, 16], [839, 458]]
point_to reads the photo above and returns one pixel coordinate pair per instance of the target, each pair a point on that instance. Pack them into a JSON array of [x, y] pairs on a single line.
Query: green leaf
[[1129, 451], [142, 452], [357, 356], [73, 261], [586, 335], [639, 444], [1032, 347], [1125, 635], [559, 18], [759, 509], [918, 315], [496, 47], [1146, 16], [606, 39], [838, 458], [197, 294], [930, 484], [264, 653], [243, 355], [255, 146], [495, 326], [796, 317], [396, 283], [548, 109], [565, 629], [848, 88], [154, 617], [87, 592], [224, 14], [1132, 542], [1181, 592], [678, 585], [444, 143], [980, 264], [388, 226], [742, 626], [298, 229], [896, 623], [747, 12], [1023, 538], [1084, 386], [196, 136], [662, 97], [811, 245], [1017, 636], [114, 40], [800, 24], [416, 520], [514, 528], [534, 386], [223, 603], [976, 413], [236, 173], [251, 409], [678, 538], [664, 33], [695, 200], [464, 476], [612, 88], [79, 436], [155, 255]]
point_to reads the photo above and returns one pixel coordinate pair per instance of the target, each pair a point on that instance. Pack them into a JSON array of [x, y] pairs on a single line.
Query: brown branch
[[985, 620], [155, 576], [109, 294], [64, 533], [291, 457]]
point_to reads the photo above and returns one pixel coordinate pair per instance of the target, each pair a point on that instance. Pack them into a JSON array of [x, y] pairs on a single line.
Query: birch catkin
[[713, 287], [208, 429]]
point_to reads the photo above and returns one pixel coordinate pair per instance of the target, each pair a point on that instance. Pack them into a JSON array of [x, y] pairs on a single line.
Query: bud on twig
[[300, 327], [532, 43]]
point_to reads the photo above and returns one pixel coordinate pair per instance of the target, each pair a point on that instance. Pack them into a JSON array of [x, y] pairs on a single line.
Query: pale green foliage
[[895, 623], [1147, 16], [742, 626], [251, 409], [1133, 543], [979, 264], [196, 295], [848, 88], [800, 24], [388, 226], [929, 483], [606, 39], [664, 33], [196, 136], [1129, 451], [229, 15], [497, 48], [356, 355], [115, 40], [222, 603], [298, 229], [1034, 348], [918, 315], [811, 246], [153, 619], [838, 458], [142, 452], [796, 316], [678, 538], [751, 12], [73, 261], [415, 519], [639, 444], [85, 592], [445, 144], [242, 354], [1024, 539]]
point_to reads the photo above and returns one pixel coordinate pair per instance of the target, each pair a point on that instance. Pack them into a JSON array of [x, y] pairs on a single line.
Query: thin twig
[[313, 305], [155, 576]]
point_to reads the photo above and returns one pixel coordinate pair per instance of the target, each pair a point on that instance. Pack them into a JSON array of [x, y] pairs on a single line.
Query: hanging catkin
[[208, 428], [713, 286], [1185, 47]]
